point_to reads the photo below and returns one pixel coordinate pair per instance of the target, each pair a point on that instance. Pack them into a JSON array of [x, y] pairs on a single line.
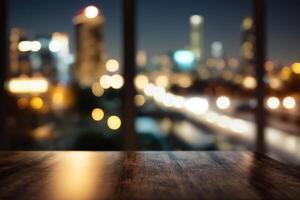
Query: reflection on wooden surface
[[77, 176], [144, 175]]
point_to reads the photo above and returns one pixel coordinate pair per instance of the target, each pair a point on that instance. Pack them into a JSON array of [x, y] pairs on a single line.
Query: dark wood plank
[[144, 175]]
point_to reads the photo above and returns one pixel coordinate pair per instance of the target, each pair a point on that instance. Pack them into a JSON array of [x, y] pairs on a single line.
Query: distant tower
[[42, 61], [196, 36], [217, 49], [59, 46], [141, 59], [248, 46], [89, 64], [15, 55]]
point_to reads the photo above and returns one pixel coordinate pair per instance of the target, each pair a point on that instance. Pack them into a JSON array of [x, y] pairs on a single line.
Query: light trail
[[276, 140]]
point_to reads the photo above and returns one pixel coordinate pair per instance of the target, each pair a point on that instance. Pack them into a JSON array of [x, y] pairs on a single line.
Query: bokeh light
[[197, 105], [36, 103], [91, 12], [35, 46], [274, 82], [114, 122], [289, 103], [196, 19], [97, 114], [28, 85], [184, 81], [105, 81], [296, 68], [250, 82], [139, 100], [112, 65], [24, 46], [285, 73], [162, 81], [273, 103], [223, 102], [22, 102], [97, 90], [141, 81], [54, 46], [117, 81]]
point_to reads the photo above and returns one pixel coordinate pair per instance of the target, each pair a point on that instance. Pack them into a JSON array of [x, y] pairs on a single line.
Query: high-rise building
[[217, 49], [42, 60], [18, 60], [141, 59], [196, 36], [248, 46], [89, 63], [59, 46]]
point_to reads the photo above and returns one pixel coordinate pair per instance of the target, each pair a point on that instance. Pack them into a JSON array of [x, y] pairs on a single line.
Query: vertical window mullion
[[129, 52], [260, 114]]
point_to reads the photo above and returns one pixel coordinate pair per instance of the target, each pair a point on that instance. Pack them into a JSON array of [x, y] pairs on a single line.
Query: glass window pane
[[65, 74], [196, 80], [282, 78]]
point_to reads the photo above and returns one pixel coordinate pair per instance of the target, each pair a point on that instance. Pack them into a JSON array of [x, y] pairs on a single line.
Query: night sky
[[163, 25]]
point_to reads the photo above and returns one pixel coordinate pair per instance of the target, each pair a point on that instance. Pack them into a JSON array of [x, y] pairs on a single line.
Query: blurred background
[[195, 76]]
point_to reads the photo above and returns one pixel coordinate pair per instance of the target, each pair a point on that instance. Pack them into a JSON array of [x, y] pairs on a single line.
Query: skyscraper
[[59, 46], [43, 61], [89, 64], [18, 61], [196, 36], [217, 49], [248, 46]]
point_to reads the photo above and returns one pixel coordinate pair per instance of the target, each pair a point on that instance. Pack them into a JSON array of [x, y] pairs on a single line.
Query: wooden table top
[[144, 175]]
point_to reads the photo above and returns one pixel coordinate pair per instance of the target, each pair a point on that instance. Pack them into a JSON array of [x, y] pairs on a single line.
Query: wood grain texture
[[144, 175]]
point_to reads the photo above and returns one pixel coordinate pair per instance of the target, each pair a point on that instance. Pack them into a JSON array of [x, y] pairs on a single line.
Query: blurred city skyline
[[221, 23], [195, 76]]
